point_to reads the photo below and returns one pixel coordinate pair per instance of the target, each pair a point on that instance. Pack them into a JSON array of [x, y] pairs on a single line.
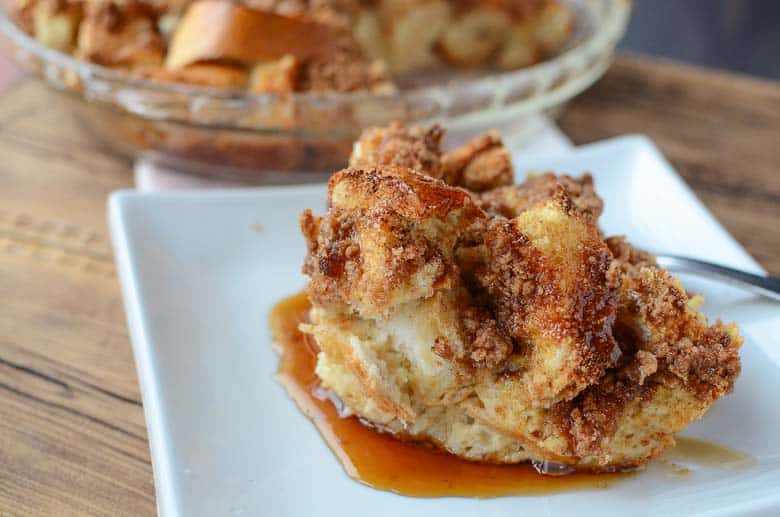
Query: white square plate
[[201, 270]]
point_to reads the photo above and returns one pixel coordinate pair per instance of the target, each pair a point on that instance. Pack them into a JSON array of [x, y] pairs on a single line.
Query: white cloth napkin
[[547, 139]]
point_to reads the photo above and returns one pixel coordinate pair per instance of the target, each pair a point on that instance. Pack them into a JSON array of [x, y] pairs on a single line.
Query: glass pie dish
[[266, 137]]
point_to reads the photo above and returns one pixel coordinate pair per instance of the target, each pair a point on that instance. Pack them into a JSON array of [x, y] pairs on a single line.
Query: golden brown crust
[[280, 76], [22, 13], [671, 367], [656, 318], [120, 34], [54, 22], [545, 275], [397, 145], [401, 190], [481, 164], [332, 261], [216, 30], [488, 346], [343, 72], [205, 74], [591, 421], [513, 200], [628, 259], [389, 236]]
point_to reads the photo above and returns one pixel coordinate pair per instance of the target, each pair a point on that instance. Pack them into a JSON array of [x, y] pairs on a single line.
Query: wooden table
[[72, 433]]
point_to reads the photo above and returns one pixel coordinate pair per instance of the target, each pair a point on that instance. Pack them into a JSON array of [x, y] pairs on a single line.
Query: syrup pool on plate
[[385, 462]]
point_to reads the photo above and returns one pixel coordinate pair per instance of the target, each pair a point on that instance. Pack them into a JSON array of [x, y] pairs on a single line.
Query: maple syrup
[[701, 453], [385, 462]]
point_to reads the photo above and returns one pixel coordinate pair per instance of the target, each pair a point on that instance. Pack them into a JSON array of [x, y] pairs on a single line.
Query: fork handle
[[764, 285]]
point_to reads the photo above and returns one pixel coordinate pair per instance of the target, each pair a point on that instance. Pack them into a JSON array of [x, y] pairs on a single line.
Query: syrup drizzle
[[384, 462], [692, 453]]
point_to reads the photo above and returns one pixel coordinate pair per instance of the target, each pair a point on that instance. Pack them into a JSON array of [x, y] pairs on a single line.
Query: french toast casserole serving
[[496, 321]]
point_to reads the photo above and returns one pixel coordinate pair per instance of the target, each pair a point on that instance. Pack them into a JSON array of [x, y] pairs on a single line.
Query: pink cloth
[[151, 177]]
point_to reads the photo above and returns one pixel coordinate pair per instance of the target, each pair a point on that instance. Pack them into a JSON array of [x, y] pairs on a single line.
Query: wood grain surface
[[72, 433]]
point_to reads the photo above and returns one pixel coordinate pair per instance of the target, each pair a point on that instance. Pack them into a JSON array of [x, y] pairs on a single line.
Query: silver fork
[[764, 285]]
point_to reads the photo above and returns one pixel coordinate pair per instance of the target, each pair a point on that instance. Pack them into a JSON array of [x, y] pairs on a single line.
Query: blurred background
[[738, 35]]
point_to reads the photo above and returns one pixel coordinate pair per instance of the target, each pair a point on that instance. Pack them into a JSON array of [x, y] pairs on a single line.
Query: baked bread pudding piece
[[285, 46], [498, 323]]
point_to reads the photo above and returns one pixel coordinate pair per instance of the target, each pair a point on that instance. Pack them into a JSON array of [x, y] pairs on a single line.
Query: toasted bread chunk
[[120, 34], [545, 275], [511, 201], [474, 37], [344, 72], [520, 48], [480, 164], [275, 77], [554, 25], [396, 145], [413, 30], [205, 74], [658, 318], [388, 238], [399, 335], [670, 369], [56, 23]]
